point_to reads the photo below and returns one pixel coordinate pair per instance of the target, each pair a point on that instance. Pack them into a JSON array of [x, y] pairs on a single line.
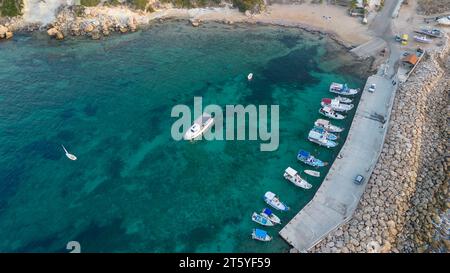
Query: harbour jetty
[[338, 197], [405, 205]]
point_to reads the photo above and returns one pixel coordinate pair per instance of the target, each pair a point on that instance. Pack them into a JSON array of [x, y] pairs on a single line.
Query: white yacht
[[200, 125]]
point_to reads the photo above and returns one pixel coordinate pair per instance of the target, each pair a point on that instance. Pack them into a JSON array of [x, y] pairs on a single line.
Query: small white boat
[[293, 176], [261, 235], [201, 124], [422, 39], [326, 124], [330, 113], [445, 21], [69, 155], [250, 76], [336, 105], [343, 99], [312, 173], [272, 200], [261, 220], [269, 215], [342, 89]]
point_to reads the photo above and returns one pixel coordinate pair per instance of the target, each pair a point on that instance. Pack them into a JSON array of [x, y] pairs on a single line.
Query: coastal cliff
[[406, 204]]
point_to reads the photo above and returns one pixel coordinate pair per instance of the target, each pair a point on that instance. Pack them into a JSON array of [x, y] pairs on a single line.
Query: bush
[[11, 7], [89, 3], [138, 4], [244, 5]]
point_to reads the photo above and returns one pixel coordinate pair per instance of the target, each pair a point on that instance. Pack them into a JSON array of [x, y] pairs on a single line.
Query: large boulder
[[9, 35], [3, 31], [89, 28], [55, 33]]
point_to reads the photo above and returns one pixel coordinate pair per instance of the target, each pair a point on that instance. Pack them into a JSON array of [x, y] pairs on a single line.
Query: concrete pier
[[338, 197]]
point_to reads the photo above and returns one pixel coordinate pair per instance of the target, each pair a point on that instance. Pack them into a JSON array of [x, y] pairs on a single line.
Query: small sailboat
[[321, 139], [261, 235], [342, 89], [269, 215], [326, 124], [272, 200], [293, 176], [69, 155], [310, 160], [330, 113], [312, 173], [261, 220], [324, 132], [336, 105], [201, 124], [250, 76]]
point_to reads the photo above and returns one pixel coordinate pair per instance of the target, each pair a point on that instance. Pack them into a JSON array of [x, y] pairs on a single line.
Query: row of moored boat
[[323, 133]]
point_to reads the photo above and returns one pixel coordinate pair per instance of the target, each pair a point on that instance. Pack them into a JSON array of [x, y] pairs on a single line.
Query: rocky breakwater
[[5, 33], [95, 22], [404, 206]]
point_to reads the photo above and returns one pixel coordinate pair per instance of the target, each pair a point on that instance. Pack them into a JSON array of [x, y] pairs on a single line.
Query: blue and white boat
[[272, 200], [324, 132], [310, 160], [321, 139], [261, 235], [269, 215], [261, 220], [342, 89]]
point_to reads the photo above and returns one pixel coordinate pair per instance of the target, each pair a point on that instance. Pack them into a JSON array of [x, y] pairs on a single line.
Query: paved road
[[338, 197]]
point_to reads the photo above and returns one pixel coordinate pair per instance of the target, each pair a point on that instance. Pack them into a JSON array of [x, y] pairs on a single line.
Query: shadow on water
[[286, 70]]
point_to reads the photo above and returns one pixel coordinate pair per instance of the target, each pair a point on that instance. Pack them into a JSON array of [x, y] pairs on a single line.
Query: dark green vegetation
[[90, 3], [11, 7], [244, 5]]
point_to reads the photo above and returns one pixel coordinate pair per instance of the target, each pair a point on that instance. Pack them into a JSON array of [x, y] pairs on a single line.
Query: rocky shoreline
[[406, 203]]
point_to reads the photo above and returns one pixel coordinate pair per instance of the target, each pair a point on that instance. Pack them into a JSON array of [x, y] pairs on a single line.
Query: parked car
[[372, 88], [359, 179]]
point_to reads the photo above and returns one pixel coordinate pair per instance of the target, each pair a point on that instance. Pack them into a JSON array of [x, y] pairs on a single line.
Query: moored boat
[[272, 200], [269, 215], [330, 113], [321, 139], [422, 39], [326, 124], [324, 132], [293, 176], [261, 235], [250, 76], [261, 220], [310, 160], [445, 21], [342, 89], [200, 125], [336, 105], [312, 173], [343, 99]]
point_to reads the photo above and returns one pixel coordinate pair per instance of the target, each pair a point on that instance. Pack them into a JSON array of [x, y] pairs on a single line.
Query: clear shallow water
[[133, 188]]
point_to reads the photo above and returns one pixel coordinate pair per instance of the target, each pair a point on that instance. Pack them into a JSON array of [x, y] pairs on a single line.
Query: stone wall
[[402, 206]]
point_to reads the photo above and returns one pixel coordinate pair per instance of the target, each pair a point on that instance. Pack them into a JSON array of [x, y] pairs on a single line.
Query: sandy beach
[[324, 18]]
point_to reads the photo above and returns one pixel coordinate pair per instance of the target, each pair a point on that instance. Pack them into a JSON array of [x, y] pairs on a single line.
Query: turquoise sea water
[[133, 188]]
